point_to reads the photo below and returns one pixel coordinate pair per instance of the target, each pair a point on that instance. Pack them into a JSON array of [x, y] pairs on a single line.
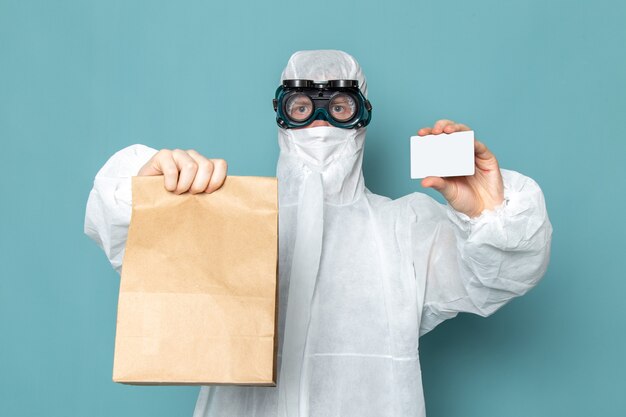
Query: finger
[[187, 168], [481, 151], [446, 188], [165, 163], [203, 175], [456, 127], [220, 168], [440, 125], [424, 131]]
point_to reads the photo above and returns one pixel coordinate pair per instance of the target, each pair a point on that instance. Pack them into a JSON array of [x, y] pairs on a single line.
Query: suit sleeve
[[477, 265], [108, 211]]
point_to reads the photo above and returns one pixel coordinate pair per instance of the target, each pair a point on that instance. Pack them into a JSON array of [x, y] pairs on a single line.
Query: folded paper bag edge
[[150, 189]]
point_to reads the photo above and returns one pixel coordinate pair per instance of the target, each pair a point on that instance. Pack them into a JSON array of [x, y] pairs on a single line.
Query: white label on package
[[444, 155]]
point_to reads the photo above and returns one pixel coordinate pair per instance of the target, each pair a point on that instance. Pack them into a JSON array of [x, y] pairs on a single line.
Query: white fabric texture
[[377, 273]]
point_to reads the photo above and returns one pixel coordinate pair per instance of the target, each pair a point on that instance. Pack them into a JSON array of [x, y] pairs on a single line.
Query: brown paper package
[[198, 291]]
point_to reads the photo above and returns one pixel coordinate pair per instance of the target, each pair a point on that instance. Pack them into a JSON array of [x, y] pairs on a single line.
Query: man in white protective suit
[[362, 277]]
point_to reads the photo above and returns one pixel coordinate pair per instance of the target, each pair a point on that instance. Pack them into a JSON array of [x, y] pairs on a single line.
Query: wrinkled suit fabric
[[370, 275]]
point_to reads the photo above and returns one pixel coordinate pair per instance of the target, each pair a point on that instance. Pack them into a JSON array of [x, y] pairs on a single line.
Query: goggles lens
[[342, 107], [299, 107]]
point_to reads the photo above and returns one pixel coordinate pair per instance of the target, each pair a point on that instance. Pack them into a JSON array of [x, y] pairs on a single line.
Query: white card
[[444, 155]]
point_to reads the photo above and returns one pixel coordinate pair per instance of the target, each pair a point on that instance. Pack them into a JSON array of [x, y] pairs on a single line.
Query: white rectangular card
[[444, 155]]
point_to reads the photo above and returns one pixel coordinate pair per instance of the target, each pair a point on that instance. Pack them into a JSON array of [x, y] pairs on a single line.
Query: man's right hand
[[186, 171]]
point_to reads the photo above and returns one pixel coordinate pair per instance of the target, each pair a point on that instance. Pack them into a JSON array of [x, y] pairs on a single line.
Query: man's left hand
[[469, 194]]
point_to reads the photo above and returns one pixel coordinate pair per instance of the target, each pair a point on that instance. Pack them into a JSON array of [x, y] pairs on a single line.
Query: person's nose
[[317, 123]]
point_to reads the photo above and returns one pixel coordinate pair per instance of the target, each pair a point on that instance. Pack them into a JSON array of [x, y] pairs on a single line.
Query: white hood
[[335, 153]]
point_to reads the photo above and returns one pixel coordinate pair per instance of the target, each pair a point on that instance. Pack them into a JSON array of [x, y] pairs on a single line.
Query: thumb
[[152, 167], [446, 188], [148, 169]]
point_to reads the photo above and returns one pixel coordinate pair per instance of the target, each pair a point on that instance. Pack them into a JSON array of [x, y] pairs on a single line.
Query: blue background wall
[[542, 83]]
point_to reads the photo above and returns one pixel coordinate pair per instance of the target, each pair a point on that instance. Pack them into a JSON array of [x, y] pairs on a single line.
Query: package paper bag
[[198, 291]]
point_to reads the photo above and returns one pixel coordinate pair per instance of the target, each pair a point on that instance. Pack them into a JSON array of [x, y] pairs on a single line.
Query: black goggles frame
[[321, 93]]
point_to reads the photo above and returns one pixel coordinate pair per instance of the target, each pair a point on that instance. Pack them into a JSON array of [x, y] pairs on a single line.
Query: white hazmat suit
[[369, 275]]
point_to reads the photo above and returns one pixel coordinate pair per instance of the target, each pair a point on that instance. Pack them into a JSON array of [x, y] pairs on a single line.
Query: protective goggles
[[339, 102]]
